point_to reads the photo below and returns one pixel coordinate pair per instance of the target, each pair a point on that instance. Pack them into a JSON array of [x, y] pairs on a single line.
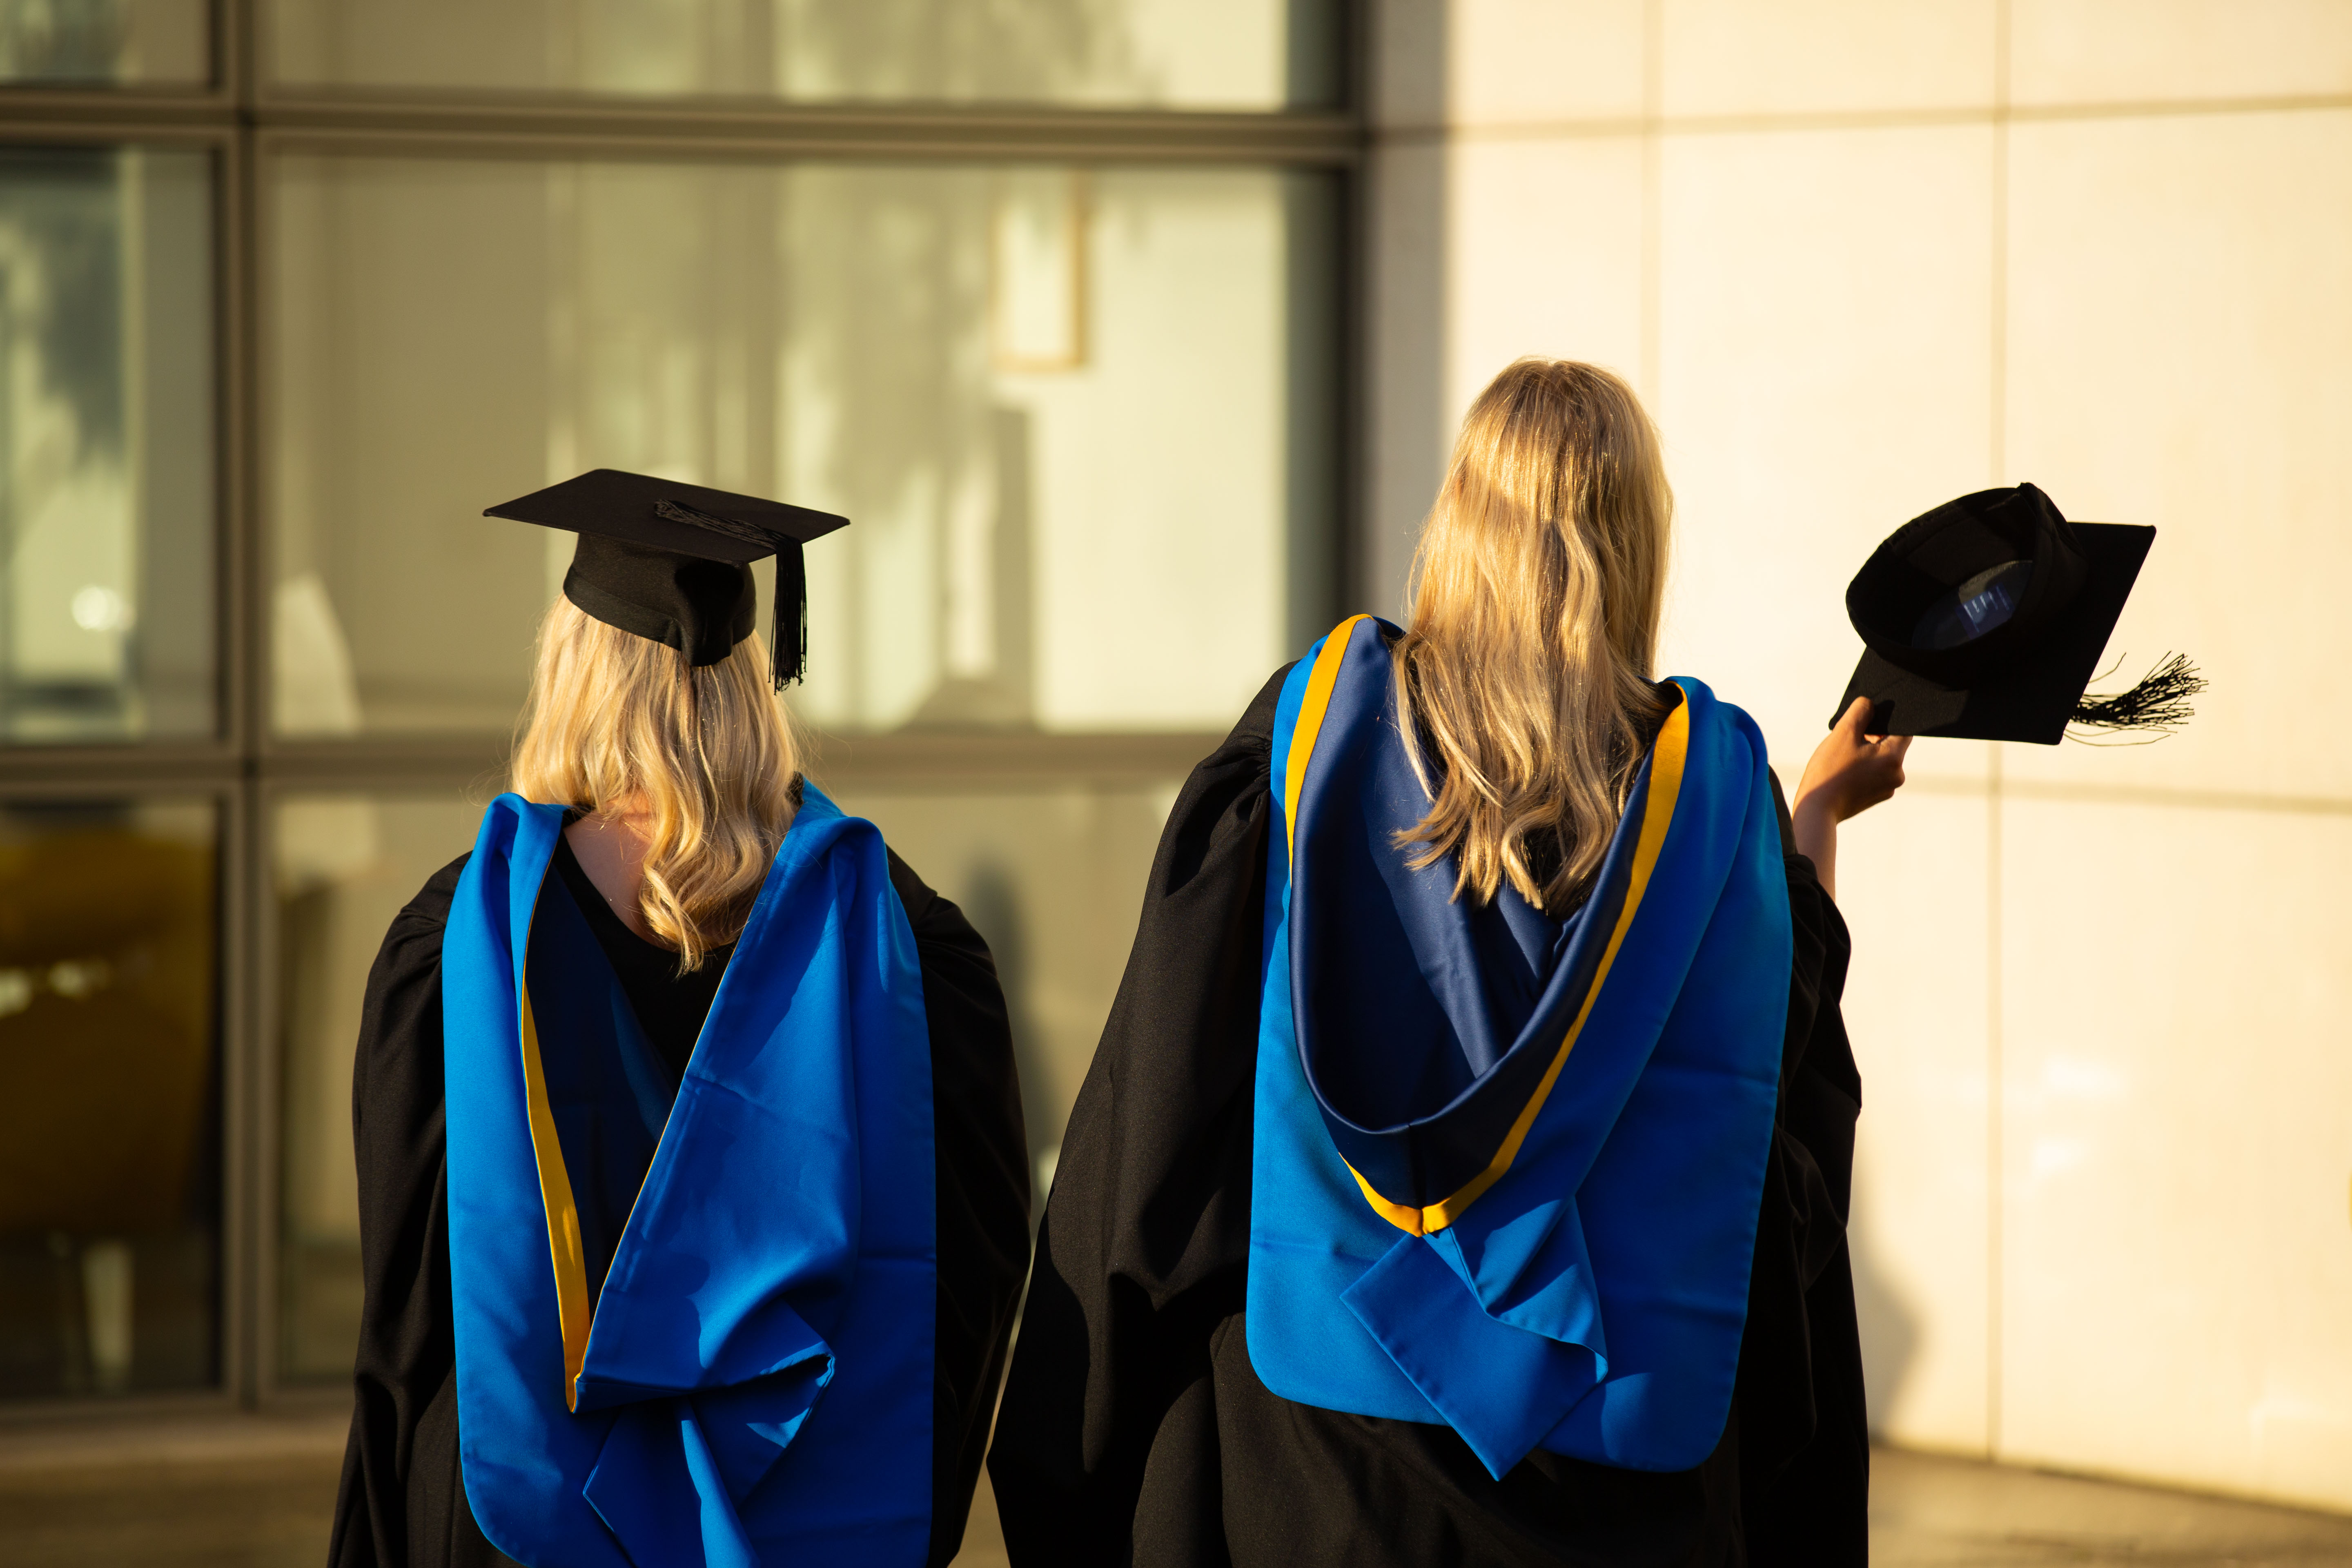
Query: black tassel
[[792, 589], [2158, 705], [792, 581]]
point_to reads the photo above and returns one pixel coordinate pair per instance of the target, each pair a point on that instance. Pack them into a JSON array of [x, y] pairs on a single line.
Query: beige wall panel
[[1824, 363], [2138, 52], [1814, 57], [1543, 256], [1517, 62], [2180, 354], [1913, 888], [2178, 1107]]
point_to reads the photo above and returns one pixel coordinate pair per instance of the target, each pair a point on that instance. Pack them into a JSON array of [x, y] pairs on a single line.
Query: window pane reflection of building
[[345, 865], [109, 1184], [1189, 54], [1053, 879], [106, 445], [1083, 422], [86, 43]]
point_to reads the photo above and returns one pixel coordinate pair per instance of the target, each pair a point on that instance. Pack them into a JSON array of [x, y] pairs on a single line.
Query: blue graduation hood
[[732, 1363], [1506, 1168]]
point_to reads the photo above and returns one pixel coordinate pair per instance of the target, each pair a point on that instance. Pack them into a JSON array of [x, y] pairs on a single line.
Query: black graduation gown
[[1133, 1428], [403, 1503]]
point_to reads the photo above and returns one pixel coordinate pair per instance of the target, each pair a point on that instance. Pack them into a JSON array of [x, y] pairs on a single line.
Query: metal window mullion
[[184, 133], [250, 1364], [28, 771], [458, 139], [1353, 502], [116, 115], [1350, 444], [248, 1138]]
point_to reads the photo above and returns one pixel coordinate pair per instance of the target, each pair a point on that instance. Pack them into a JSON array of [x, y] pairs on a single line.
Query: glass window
[[1081, 419], [1054, 879], [1189, 54], [100, 43], [107, 492], [110, 1171], [344, 865], [1085, 414]]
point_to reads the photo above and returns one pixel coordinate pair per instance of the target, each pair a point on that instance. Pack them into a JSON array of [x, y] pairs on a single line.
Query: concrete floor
[[1962, 1513], [255, 1493]]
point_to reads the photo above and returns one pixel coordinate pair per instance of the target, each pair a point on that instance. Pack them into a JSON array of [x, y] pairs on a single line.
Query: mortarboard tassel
[[792, 583], [791, 588], [2158, 704]]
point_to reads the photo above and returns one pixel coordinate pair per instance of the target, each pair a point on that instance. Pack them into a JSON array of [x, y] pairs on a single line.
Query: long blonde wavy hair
[[1537, 592], [616, 721]]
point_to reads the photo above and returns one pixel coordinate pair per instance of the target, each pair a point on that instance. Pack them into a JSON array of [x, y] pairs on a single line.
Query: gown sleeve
[[1146, 1235], [981, 1156], [1803, 1427], [402, 1501]]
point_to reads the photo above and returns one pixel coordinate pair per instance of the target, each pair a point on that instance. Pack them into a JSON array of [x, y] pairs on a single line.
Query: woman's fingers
[[1850, 723], [1852, 770], [1884, 772]]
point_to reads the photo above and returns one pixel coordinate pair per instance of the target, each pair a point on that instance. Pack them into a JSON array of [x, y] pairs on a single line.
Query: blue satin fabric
[[757, 1387], [1590, 1302], [608, 1090]]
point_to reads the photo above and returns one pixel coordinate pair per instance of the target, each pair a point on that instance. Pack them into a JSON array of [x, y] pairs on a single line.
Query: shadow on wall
[[1890, 1330], [988, 671], [993, 904]]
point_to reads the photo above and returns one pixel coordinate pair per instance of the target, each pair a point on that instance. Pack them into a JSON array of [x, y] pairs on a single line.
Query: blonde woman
[[693, 1195], [1461, 1178]]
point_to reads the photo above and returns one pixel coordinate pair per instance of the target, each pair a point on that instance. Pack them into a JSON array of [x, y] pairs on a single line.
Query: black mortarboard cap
[[1984, 620], [672, 562]]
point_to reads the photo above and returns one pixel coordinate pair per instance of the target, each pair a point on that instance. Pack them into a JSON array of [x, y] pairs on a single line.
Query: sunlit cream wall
[[1862, 256]]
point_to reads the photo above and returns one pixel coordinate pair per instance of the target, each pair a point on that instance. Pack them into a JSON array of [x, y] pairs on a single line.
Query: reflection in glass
[[1049, 877], [106, 444], [344, 867], [1083, 422], [110, 1190], [1187, 54], [1053, 879], [82, 43]]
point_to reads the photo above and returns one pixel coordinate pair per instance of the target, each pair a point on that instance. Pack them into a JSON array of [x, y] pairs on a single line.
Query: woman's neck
[[610, 846]]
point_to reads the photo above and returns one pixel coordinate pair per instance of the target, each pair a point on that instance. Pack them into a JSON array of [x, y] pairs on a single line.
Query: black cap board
[[672, 562], [1984, 619]]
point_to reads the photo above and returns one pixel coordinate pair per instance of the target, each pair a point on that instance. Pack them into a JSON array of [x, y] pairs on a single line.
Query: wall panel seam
[[2184, 799], [1997, 456], [1606, 126]]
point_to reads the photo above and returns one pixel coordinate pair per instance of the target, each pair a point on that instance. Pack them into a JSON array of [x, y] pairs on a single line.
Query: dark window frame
[[244, 121]]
